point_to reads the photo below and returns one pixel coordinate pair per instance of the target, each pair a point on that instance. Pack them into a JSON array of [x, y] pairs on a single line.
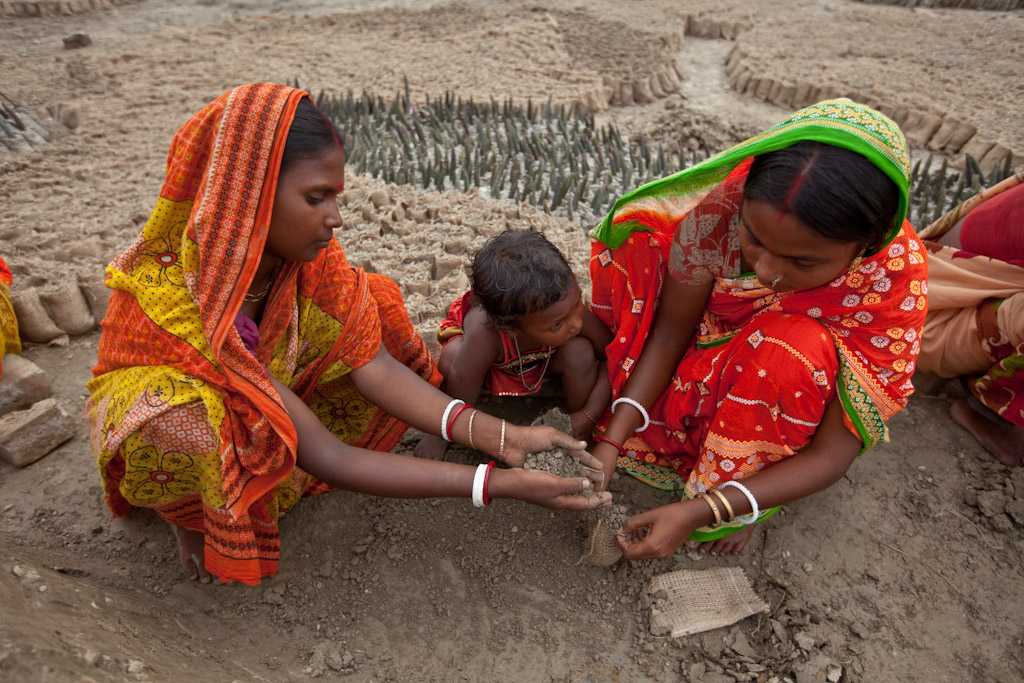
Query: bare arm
[[479, 347], [334, 462], [595, 331], [679, 310], [401, 392], [813, 469]]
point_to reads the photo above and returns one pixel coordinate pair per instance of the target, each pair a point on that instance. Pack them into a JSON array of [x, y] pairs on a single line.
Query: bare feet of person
[[431, 447], [190, 553], [1003, 440], [733, 544]]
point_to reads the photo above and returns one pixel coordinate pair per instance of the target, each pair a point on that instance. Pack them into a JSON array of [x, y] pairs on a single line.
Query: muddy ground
[[908, 569]]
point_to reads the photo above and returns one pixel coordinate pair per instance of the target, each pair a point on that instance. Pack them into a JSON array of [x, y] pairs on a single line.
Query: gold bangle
[[588, 416], [714, 508], [501, 445], [471, 416], [725, 503]]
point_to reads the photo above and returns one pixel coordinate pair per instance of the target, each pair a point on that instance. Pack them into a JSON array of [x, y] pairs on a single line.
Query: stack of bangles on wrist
[[480, 480], [746, 519], [449, 417]]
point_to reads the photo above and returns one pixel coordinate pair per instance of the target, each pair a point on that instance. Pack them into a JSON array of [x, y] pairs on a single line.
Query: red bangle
[[487, 478], [618, 446], [455, 415]]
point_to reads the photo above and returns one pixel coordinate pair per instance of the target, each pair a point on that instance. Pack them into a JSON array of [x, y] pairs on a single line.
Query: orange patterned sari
[[754, 384], [183, 417]]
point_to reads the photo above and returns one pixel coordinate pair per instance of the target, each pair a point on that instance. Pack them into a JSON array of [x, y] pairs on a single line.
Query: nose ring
[[775, 281]]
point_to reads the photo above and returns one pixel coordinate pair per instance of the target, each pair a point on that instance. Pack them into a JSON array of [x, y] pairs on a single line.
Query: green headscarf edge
[[841, 123]]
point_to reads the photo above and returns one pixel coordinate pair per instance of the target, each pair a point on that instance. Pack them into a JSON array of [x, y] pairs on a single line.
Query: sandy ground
[[908, 569]]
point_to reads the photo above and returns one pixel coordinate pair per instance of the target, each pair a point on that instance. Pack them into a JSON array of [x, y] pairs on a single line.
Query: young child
[[523, 320]]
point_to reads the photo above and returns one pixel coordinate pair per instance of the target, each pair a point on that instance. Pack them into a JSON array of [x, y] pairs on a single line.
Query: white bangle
[[635, 404], [444, 419], [478, 485], [754, 510]]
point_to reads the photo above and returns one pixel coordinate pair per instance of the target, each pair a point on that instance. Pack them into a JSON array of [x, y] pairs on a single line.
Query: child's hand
[[606, 458], [582, 426], [431, 447]]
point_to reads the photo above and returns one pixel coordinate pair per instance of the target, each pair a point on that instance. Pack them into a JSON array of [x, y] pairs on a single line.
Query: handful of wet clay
[[600, 548]]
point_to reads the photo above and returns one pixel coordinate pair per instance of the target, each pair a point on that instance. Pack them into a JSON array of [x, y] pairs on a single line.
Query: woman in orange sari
[[244, 363], [782, 338]]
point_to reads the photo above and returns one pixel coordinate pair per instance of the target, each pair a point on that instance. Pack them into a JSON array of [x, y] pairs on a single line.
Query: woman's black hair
[[837, 192], [516, 273], [310, 134]]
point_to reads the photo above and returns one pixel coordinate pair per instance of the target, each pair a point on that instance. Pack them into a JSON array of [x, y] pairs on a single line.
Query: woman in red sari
[[244, 363], [782, 338]]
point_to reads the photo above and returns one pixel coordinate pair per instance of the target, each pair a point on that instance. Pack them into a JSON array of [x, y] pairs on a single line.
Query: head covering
[[841, 123]]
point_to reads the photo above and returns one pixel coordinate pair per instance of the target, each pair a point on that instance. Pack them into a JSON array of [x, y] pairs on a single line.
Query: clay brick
[[784, 98], [900, 115], [666, 83], [959, 138], [919, 135], [994, 158], [626, 94], [27, 435], [742, 81], [941, 136], [642, 92], [763, 87], [977, 148], [655, 87], [802, 95], [22, 384]]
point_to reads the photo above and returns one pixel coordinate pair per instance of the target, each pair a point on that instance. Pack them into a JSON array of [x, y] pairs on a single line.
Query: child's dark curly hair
[[517, 273]]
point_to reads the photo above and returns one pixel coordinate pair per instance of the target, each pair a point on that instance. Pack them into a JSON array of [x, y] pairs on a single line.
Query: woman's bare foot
[[733, 544], [191, 545], [431, 447], [1003, 440]]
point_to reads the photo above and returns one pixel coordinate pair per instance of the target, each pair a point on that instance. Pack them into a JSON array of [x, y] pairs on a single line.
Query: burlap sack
[[34, 323], [691, 601], [69, 309], [601, 547], [97, 294]]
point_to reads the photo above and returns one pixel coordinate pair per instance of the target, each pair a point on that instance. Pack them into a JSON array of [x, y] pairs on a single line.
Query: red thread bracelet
[[487, 478], [618, 446], [455, 416]]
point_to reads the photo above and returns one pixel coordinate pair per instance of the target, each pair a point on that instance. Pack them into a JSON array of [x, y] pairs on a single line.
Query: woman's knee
[[800, 344]]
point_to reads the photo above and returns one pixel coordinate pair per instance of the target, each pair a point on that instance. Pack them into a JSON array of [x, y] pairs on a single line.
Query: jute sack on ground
[[34, 323], [69, 309], [690, 601]]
